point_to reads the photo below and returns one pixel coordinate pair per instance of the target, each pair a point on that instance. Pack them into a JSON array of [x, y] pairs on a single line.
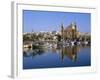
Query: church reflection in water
[[70, 52]]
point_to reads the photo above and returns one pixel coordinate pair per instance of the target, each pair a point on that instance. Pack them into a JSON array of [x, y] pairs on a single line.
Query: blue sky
[[51, 21]]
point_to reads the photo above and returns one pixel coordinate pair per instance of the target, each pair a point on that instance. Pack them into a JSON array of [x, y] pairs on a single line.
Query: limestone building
[[70, 32]]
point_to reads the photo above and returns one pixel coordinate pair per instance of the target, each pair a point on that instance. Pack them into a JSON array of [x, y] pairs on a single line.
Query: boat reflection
[[33, 53]]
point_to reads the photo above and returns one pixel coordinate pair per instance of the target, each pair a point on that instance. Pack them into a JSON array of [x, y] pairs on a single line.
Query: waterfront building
[[70, 32]]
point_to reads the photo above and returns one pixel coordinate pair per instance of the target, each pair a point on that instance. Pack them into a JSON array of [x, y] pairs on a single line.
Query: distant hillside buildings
[[66, 33]]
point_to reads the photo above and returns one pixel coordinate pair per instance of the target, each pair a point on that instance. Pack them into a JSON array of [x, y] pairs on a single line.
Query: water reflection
[[68, 51], [30, 52], [56, 56]]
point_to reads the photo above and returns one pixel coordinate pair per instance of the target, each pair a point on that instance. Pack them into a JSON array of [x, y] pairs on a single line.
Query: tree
[[59, 37], [26, 38]]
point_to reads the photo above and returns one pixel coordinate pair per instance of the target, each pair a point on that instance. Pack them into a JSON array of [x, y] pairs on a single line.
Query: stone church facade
[[70, 32]]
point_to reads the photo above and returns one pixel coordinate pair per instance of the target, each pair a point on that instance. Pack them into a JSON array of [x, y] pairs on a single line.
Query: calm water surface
[[57, 57]]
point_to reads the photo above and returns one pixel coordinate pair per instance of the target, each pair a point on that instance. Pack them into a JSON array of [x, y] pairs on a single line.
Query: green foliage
[[59, 37]]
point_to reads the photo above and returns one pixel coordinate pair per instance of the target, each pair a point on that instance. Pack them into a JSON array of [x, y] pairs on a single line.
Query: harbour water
[[56, 57]]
